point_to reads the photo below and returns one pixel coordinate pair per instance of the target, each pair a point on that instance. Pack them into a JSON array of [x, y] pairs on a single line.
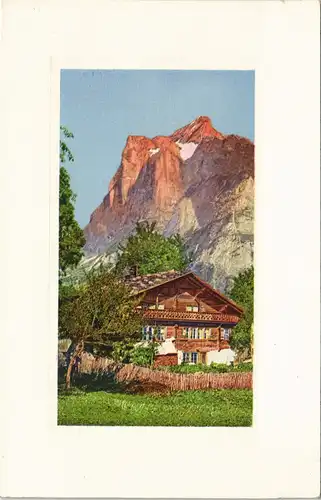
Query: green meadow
[[224, 407]]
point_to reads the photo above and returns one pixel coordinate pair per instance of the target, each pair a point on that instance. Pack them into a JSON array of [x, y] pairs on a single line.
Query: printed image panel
[[156, 241]]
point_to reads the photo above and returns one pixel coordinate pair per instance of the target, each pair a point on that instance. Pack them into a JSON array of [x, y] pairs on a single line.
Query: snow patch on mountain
[[186, 149], [153, 151]]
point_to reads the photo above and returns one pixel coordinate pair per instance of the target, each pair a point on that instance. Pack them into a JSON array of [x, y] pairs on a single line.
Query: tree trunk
[[77, 352]]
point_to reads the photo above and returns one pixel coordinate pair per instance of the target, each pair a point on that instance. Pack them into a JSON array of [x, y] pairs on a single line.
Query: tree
[[242, 292], [151, 252], [101, 311], [71, 236]]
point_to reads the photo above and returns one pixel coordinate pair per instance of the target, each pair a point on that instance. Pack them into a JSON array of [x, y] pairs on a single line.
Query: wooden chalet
[[191, 321]]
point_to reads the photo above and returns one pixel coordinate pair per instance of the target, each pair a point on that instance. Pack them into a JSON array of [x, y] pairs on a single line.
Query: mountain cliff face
[[198, 183]]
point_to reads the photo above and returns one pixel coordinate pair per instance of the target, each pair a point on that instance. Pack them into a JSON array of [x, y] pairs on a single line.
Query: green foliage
[[220, 368], [71, 236], [187, 368], [67, 292], [243, 367], [122, 351], [227, 407], [242, 292], [151, 252], [65, 153], [101, 310], [144, 355], [212, 368]]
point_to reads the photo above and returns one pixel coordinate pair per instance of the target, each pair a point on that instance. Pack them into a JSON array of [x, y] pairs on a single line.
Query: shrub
[[212, 368], [122, 351], [144, 355], [186, 368], [243, 367], [220, 368]]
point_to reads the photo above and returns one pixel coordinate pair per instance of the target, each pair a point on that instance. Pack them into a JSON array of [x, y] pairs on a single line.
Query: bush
[[122, 351], [186, 368], [220, 368], [144, 355], [243, 367], [212, 368]]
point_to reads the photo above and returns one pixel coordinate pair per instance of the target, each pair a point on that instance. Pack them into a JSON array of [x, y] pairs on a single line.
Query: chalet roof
[[140, 284]]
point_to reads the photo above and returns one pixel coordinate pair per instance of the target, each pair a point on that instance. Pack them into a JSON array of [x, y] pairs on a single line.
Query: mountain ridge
[[198, 183]]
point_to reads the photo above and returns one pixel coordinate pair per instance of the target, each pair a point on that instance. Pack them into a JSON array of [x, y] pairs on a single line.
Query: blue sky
[[102, 108]]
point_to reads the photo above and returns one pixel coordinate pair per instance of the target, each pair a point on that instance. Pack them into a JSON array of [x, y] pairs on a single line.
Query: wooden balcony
[[172, 315]]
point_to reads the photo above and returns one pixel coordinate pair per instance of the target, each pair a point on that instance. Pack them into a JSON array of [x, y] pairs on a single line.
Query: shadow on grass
[[96, 382], [88, 382]]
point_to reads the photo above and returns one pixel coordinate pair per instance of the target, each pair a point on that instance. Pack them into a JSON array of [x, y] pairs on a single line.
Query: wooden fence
[[186, 381], [173, 381]]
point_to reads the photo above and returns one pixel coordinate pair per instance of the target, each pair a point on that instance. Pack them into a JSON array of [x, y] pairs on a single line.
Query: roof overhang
[[200, 282]]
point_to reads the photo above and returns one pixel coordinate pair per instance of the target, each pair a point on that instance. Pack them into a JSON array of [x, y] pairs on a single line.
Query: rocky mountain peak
[[196, 182], [197, 130]]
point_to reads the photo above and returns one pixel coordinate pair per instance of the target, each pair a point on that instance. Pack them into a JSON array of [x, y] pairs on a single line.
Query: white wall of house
[[167, 347], [225, 356]]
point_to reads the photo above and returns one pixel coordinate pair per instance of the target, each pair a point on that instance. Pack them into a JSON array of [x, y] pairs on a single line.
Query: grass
[[225, 407]]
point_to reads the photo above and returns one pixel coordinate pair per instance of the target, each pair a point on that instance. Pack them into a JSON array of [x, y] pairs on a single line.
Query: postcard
[[161, 249]]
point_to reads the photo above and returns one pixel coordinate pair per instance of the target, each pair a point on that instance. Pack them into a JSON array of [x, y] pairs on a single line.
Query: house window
[[147, 333], [191, 333], [206, 333], [192, 308], [195, 333], [186, 332], [190, 357], [194, 357], [154, 333], [225, 333], [160, 332], [160, 307]]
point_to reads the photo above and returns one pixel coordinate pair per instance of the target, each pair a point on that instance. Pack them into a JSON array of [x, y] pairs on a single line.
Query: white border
[[279, 456]]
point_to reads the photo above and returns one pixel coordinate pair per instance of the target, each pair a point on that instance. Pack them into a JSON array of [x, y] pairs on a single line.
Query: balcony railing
[[190, 316]]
